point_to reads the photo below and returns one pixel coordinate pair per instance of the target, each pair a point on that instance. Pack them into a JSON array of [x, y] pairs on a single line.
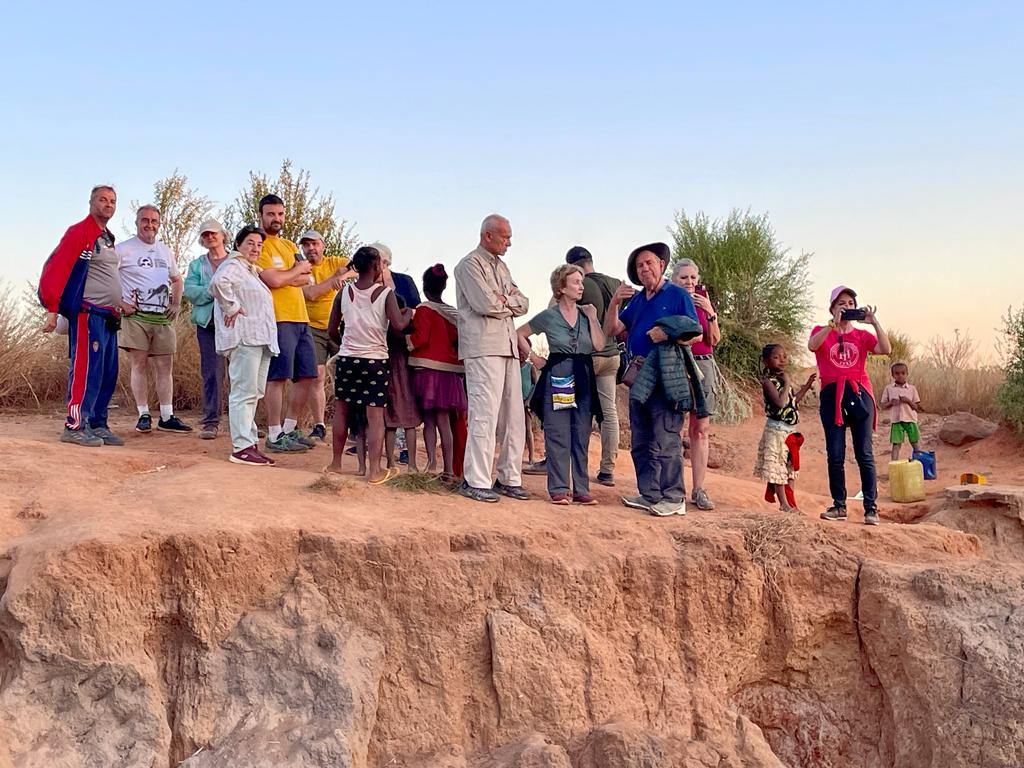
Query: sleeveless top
[[788, 413], [366, 322]]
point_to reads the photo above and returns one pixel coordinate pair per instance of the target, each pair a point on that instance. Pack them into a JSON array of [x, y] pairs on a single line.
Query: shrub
[[1010, 397]]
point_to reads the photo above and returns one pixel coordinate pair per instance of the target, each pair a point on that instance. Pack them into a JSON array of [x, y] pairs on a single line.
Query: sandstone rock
[[962, 427], [533, 751], [993, 513], [623, 745]]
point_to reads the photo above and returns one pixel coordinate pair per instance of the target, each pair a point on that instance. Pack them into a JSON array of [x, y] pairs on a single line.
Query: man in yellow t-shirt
[[329, 272], [286, 275]]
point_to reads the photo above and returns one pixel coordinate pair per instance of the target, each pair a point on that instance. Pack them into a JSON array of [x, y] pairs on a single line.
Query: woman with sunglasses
[[841, 351]]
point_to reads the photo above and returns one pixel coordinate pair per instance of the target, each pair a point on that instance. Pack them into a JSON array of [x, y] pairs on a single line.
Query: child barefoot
[[902, 402], [774, 463]]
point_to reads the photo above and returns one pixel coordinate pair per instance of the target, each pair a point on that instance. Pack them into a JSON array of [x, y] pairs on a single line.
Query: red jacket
[[63, 279], [434, 342]]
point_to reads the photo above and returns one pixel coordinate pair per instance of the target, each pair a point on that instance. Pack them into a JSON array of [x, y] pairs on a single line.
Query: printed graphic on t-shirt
[[146, 272], [845, 355]]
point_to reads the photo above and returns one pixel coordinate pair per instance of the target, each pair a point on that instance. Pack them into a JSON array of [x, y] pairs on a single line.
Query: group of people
[[279, 311]]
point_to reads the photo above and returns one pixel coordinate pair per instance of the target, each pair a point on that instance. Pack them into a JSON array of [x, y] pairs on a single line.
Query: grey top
[[103, 281], [563, 338]]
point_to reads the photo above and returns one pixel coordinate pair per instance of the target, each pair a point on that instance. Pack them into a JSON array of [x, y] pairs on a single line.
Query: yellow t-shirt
[[289, 303], [320, 309]]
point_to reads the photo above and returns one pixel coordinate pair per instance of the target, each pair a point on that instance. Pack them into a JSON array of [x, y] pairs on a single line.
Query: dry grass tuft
[[328, 484], [765, 542], [420, 482]]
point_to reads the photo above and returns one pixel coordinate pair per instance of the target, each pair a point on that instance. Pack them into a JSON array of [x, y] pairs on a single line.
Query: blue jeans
[[657, 449], [212, 367], [835, 448]]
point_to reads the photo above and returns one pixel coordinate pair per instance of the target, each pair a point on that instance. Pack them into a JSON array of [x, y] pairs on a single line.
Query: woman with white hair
[[197, 290], [686, 275]]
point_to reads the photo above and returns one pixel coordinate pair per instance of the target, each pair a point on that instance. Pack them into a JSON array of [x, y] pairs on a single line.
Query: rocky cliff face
[[358, 633]]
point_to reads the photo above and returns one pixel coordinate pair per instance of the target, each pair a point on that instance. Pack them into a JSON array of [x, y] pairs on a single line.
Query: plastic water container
[[927, 459], [906, 481]]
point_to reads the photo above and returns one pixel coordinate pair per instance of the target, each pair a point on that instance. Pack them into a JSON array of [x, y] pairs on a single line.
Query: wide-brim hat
[[661, 250]]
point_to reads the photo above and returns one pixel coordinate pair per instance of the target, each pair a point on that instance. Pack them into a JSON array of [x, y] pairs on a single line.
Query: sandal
[[389, 474]]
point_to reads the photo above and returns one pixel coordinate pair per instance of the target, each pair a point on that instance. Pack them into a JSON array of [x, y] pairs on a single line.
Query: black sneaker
[[296, 436], [83, 437], [834, 512], [318, 432], [871, 517], [173, 424], [284, 445], [144, 424], [512, 491], [537, 468], [606, 478], [108, 437], [477, 494]]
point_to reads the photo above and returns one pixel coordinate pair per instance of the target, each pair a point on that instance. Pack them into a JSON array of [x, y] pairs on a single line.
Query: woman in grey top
[[247, 335], [565, 396]]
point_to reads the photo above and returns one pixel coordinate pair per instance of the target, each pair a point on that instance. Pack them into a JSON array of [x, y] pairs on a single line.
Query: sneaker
[[252, 457], [665, 508], [108, 437], [512, 491], [537, 468], [83, 437], [562, 499], [284, 445], [403, 456], [297, 437], [208, 433], [144, 424], [701, 500], [606, 478], [584, 500], [173, 424], [318, 432], [638, 502], [477, 494], [350, 451], [871, 517], [834, 512]]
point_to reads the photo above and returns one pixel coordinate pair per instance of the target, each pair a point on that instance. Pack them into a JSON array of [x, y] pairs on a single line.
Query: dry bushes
[[765, 542]]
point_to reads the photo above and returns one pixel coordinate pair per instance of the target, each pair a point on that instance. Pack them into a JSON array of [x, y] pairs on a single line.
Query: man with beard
[[152, 287], [80, 282], [286, 276]]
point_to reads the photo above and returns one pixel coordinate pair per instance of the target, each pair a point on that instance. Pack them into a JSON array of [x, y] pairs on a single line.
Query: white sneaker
[[665, 508]]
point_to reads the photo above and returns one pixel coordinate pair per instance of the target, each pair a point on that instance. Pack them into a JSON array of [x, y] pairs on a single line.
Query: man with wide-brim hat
[[657, 315]]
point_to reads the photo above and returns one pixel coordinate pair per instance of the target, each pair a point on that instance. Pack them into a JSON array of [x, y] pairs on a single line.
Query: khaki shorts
[[149, 337], [325, 348]]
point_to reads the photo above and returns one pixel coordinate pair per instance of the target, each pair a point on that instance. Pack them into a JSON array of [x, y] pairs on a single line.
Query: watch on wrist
[[712, 318]]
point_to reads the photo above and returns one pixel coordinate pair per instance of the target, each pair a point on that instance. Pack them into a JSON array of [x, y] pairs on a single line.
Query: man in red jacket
[[80, 281]]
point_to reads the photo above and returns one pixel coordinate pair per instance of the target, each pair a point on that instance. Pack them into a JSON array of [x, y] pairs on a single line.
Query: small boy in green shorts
[[902, 402]]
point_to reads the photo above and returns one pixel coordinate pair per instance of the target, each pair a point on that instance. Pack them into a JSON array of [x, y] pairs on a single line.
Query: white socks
[[290, 424], [143, 410], [273, 433], [166, 411]]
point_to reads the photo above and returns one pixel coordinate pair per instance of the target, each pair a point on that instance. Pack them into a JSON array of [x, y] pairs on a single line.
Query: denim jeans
[[835, 448], [657, 449], [212, 366]]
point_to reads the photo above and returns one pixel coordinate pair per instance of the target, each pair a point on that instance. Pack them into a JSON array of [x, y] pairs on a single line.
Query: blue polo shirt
[[640, 315]]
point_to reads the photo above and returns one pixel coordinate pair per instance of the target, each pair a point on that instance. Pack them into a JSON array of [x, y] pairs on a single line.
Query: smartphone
[[857, 315], [701, 289]]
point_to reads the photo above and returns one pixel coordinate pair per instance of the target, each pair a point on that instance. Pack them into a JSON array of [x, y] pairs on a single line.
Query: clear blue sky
[[885, 138]]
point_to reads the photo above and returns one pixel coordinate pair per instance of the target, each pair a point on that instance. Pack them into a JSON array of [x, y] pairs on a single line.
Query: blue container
[[927, 459]]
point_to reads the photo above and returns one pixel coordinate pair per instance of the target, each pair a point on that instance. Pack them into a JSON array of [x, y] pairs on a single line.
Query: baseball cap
[[310, 234], [577, 253], [840, 289], [211, 225]]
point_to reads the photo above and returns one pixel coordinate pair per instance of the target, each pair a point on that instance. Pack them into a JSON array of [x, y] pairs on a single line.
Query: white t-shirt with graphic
[[146, 272]]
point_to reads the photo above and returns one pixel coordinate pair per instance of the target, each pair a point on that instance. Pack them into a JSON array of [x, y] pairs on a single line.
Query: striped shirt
[[236, 285]]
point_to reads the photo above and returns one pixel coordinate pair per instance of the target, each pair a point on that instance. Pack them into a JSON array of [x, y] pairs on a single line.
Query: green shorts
[[901, 428]]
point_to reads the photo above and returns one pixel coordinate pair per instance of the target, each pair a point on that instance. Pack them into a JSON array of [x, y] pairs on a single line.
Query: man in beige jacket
[[488, 300]]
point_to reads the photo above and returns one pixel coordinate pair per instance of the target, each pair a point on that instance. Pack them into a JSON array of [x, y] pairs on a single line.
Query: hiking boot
[[701, 500], [208, 433], [606, 478], [173, 424], [638, 502], [584, 500], [318, 432], [835, 512], [297, 437], [871, 517], [477, 494], [537, 468], [562, 499], [108, 437], [665, 508], [83, 437], [512, 491], [252, 457], [144, 424], [284, 445]]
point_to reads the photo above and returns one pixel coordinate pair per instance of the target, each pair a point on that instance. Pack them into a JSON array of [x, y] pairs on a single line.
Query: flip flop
[[389, 474]]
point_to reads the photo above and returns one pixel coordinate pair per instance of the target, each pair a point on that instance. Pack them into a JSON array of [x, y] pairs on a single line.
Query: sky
[[887, 139]]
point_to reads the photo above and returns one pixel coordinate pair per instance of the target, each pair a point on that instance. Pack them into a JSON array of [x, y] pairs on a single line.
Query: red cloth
[[78, 238], [793, 442], [839, 363], [434, 341]]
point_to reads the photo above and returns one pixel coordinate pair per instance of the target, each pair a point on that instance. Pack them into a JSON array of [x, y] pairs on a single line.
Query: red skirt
[[439, 390]]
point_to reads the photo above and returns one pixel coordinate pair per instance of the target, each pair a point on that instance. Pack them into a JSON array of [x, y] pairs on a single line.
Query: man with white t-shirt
[[151, 286]]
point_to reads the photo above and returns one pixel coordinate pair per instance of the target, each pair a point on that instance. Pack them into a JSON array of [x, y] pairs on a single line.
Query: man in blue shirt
[[655, 445]]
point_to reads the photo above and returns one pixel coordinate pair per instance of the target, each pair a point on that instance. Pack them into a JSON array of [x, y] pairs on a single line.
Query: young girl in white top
[[367, 307]]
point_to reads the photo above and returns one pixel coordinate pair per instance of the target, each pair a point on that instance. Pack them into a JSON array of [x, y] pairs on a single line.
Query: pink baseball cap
[[839, 289]]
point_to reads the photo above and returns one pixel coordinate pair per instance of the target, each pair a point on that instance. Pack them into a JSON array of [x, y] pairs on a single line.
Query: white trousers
[[495, 389], [247, 369]]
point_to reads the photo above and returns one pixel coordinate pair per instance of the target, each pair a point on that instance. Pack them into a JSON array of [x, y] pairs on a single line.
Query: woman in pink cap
[[847, 401]]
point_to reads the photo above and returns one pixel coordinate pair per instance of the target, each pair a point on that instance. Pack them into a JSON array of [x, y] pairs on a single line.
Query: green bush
[[1010, 396]]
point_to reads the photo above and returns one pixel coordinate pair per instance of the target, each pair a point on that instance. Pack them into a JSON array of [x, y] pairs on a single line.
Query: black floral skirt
[[361, 381]]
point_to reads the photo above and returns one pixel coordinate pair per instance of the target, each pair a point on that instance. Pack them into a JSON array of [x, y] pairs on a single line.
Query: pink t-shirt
[[901, 411], [702, 347], [845, 358]]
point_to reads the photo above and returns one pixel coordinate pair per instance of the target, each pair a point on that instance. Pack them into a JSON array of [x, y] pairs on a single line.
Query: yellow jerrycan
[[906, 481]]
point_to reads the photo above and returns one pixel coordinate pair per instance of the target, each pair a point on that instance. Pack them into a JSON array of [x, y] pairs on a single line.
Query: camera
[[857, 315]]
